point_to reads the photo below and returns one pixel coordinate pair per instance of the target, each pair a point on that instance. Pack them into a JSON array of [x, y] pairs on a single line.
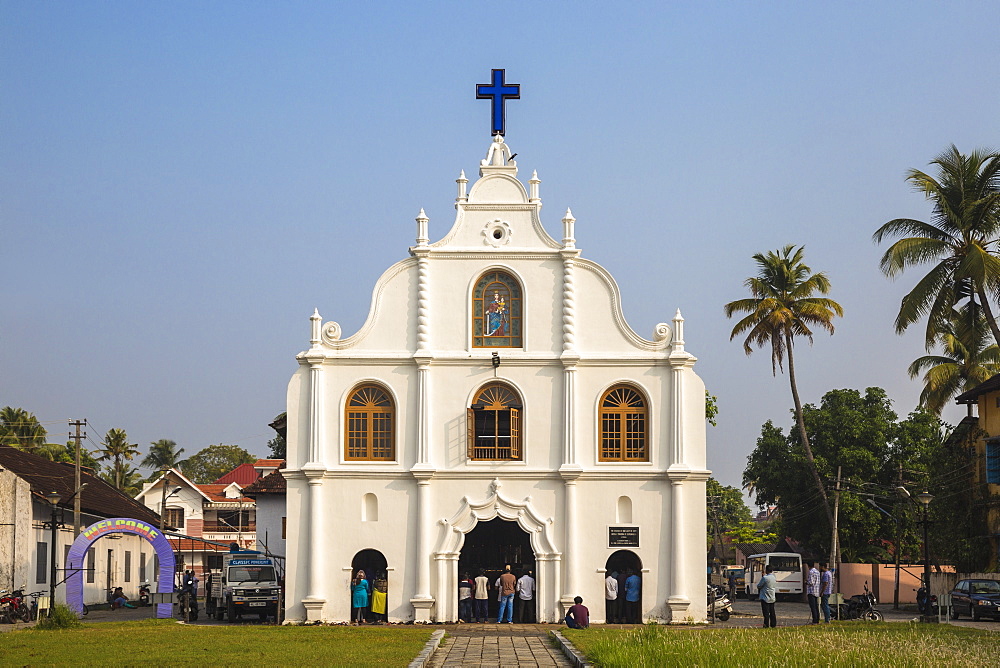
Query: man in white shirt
[[526, 599], [813, 590], [481, 595], [611, 615]]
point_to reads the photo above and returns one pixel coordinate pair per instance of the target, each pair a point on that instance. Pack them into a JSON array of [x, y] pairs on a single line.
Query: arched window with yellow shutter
[[494, 424]]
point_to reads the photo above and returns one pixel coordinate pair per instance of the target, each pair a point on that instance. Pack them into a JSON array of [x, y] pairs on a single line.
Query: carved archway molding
[[471, 513]]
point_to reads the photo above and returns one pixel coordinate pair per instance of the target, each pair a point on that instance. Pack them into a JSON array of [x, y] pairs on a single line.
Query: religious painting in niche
[[623, 426], [496, 311], [494, 424], [369, 425]]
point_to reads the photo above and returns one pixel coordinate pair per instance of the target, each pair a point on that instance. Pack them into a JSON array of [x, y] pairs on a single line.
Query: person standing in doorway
[[826, 589], [359, 598], [812, 590], [633, 593], [465, 586], [482, 593], [506, 584], [767, 588], [526, 599], [610, 598]]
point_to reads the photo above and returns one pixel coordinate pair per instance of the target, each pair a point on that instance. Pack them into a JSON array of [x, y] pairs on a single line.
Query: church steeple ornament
[[498, 92]]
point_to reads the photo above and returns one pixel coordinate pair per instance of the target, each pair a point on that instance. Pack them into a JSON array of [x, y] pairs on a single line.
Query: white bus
[[787, 569]]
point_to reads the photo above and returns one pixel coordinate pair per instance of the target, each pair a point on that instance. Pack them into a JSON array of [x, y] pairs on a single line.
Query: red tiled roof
[[98, 498], [217, 494], [268, 463], [242, 475], [195, 545], [273, 483]]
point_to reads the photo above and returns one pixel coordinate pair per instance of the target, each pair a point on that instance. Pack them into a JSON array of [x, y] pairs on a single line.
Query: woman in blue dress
[[359, 597]]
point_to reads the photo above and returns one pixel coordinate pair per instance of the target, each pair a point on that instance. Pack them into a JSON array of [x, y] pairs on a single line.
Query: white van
[[786, 567]]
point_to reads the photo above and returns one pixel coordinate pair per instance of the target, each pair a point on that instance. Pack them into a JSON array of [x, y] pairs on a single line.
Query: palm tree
[[967, 359], [119, 450], [124, 477], [21, 429], [961, 241], [163, 454], [782, 306]]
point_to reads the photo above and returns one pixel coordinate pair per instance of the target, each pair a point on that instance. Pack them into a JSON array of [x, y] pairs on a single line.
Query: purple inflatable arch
[[74, 560]]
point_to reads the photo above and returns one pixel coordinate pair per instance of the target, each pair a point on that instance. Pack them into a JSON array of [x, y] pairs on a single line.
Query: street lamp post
[[925, 499], [53, 498]]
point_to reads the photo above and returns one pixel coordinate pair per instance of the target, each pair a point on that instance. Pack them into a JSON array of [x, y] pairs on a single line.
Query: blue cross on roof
[[497, 92]]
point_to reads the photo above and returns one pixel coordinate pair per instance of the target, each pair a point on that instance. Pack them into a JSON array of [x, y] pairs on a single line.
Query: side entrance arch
[[376, 569], [87, 537], [624, 564]]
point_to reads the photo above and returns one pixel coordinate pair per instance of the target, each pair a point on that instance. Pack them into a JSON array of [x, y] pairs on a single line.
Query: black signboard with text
[[623, 536]]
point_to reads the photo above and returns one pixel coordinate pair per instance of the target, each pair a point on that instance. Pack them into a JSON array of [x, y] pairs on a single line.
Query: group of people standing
[[622, 593], [369, 596], [474, 594], [819, 588]]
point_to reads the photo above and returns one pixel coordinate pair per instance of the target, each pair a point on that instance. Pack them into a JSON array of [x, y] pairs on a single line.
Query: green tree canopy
[[859, 433], [726, 509], [21, 429], [213, 462], [126, 478]]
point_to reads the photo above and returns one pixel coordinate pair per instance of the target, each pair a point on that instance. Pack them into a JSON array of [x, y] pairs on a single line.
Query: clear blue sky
[[182, 183]]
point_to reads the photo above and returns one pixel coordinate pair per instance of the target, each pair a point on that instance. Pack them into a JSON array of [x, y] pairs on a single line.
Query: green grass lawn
[[167, 643], [848, 644]]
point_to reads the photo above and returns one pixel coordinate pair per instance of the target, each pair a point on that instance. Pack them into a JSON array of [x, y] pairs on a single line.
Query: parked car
[[976, 598]]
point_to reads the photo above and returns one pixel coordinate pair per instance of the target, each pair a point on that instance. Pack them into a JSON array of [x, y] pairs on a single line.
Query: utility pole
[[163, 495], [78, 437], [899, 540], [835, 538]]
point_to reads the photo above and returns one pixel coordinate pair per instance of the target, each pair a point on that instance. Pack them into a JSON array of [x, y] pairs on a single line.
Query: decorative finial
[[462, 182], [422, 221], [569, 238], [678, 342], [533, 187], [315, 322]]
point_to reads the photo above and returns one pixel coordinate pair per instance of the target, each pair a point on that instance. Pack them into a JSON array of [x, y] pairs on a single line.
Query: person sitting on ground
[[578, 616], [118, 599]]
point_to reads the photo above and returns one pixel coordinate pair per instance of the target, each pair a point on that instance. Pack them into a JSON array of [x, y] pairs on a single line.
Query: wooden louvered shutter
[[470, 426], [515, 433]]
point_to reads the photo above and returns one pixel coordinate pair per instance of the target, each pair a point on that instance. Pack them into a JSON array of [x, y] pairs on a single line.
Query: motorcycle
[[144, 593], [861, 606], [925, 603], [723, 607], [13, 606]]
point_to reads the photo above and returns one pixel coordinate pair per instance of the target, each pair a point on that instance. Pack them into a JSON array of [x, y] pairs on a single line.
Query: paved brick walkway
[[497, 646]]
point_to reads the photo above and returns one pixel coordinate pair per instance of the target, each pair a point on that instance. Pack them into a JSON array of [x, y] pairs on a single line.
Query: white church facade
[[495, 409]]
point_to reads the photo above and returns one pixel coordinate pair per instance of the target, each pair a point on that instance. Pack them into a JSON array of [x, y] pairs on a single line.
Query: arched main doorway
[[376, 569], [622, 564], [491, 546]]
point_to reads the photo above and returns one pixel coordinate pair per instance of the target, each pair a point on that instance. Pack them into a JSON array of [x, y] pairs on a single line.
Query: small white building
[[26, 536], [496, 409]]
